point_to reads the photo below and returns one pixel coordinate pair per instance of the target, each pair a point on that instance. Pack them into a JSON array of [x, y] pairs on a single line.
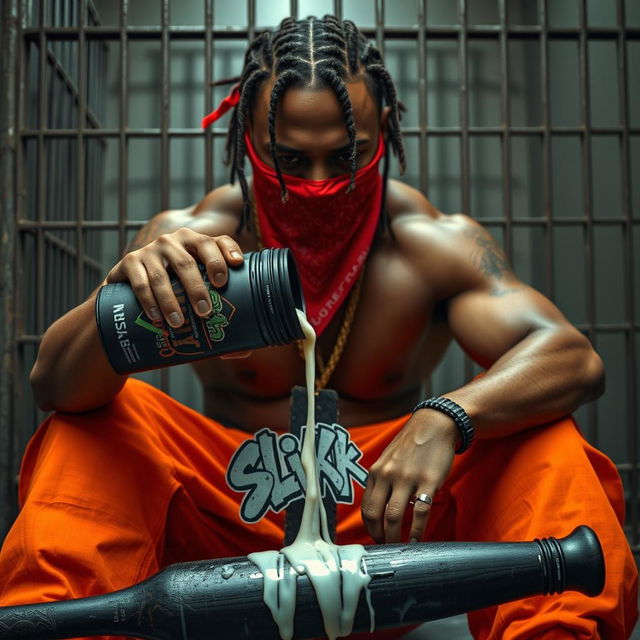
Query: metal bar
[[81, 186], [92, 13], [293, 8], [164, 137], [406, 131], [379, 33], [626, 466], [423, 156], [632, 403], [164, 112], [464, 131], [56, 66], [69, 251], [505, 137], [547, 187], [104, 225], [178, 32], [464, 106], [423, 120], [123, 145], [19, 303], [337, 8], [585, 117], [8, 215], [250, 32], [55, 286], [42, 172], [208, 102]]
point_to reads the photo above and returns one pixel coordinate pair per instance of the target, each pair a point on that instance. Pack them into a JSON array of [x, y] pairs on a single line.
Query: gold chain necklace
[[325, 370]]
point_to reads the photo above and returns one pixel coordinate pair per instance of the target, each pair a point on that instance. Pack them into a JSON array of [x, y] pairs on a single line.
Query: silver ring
[[423, 497]]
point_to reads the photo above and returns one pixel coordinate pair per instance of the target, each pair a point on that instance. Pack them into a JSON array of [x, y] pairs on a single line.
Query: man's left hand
[[416, 461]]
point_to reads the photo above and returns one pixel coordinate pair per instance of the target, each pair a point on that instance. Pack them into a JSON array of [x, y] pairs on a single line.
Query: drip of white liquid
[[337, 573]]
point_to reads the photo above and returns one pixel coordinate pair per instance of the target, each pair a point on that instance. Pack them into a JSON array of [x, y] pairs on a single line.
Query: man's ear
[[384, 121]]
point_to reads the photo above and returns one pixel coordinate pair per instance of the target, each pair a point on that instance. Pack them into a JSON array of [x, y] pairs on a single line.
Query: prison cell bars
[[629, 288], [8, 216], [504, 33]]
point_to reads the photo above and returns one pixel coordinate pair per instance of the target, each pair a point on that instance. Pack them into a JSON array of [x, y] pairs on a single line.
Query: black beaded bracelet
[[457, 414]]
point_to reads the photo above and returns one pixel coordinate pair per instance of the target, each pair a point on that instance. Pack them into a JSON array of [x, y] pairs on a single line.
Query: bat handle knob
[[575, 562]]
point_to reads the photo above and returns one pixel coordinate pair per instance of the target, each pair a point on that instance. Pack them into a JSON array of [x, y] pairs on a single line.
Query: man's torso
[[397, 337]]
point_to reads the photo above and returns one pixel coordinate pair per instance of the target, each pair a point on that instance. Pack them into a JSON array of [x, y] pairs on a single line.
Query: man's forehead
[[317, 108]]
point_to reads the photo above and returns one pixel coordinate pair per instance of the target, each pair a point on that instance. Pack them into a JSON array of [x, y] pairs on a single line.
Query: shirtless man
[[314, 101]]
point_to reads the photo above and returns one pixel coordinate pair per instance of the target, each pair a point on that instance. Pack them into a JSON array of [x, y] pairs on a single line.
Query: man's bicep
[[489, 321]]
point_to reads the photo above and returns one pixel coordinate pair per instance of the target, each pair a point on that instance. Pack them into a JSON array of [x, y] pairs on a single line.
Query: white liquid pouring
[[337, 573]]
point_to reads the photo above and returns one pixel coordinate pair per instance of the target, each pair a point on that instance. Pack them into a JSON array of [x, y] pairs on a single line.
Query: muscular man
[[122, 479]]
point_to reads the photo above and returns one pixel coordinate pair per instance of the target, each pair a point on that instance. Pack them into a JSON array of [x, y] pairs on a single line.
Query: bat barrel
[[410, 583]]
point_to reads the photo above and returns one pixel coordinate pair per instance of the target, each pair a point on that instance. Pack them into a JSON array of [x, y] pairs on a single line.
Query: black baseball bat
[[410, 583]]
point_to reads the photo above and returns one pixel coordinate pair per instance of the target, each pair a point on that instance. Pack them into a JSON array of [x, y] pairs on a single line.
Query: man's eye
[[289, 160]]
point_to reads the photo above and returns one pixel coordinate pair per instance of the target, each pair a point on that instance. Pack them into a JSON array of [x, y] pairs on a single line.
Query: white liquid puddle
[[337, 573]]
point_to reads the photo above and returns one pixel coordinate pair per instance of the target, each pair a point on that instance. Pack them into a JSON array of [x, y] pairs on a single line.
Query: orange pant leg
[[544, 482], [111, 496]]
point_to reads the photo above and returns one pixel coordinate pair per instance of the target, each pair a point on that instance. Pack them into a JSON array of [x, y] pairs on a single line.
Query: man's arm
[[72, 372], [539, 366]]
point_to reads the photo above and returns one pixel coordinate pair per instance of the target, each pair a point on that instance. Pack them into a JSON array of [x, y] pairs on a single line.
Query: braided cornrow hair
[[310, 53]]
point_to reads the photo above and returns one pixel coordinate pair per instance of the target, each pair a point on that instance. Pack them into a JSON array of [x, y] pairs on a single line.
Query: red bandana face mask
[[328, 230]]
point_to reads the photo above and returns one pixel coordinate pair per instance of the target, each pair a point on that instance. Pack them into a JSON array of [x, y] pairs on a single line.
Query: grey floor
[[455, 628]]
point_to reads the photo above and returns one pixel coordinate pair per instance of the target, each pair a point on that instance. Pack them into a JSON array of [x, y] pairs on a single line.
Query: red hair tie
[[225, 104]]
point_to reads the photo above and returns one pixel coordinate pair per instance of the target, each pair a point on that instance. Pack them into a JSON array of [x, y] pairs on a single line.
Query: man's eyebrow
[[283, 148]]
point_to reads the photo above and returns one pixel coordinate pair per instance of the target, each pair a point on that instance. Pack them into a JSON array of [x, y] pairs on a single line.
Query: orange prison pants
[[111, 496]]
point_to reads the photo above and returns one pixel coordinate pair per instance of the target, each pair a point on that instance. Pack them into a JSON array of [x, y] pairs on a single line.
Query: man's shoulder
[[226, 198], [218, 213], [445, 247], [414, 219]]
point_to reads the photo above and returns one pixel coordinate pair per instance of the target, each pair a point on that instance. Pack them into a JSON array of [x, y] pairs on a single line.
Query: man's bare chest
[[393, 342]]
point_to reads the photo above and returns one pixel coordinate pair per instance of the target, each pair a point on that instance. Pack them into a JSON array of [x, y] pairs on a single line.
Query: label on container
[[134, 341], [129, 348], [197, 335]]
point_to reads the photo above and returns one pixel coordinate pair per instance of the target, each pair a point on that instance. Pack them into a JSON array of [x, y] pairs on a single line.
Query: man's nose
[[320, 171]]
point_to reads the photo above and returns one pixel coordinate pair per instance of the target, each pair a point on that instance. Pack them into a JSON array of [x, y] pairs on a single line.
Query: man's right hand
[[181, 251]]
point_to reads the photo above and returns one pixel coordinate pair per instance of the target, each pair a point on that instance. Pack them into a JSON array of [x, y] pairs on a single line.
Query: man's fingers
[[394, 513], [139, 281], [421, 512], [163, 292], [181, 252], [231, 250], [216, 254], [186, 269], [374, 502]]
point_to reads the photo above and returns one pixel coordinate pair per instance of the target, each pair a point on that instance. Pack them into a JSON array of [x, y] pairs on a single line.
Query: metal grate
[[525, 114]]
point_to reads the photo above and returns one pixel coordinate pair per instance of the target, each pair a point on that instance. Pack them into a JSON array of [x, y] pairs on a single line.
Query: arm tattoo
[[149, 232], [490, 260]]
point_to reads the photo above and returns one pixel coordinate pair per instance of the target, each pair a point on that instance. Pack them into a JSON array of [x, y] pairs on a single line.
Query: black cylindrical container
[[256, 308]]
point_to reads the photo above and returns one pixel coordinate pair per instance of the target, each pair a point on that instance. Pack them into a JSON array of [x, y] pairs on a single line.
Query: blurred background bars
[[522, 113]]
